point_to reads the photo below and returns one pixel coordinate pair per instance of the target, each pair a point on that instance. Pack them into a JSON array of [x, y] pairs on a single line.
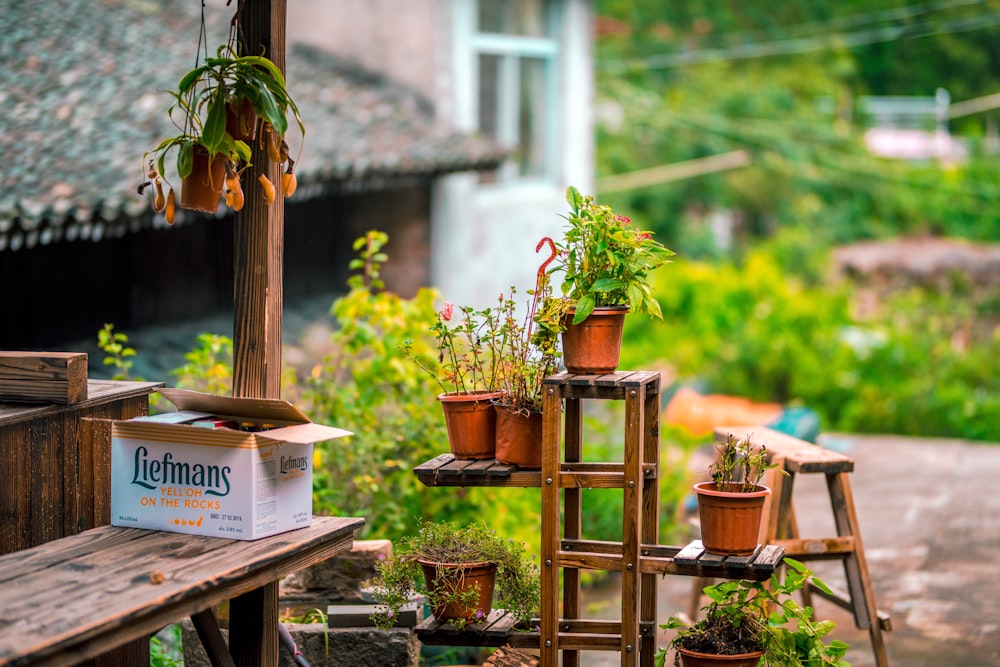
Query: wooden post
[[258, 302], [259, 236]]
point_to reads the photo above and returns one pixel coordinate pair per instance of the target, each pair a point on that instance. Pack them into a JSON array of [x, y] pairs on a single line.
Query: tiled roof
[[81, 87]]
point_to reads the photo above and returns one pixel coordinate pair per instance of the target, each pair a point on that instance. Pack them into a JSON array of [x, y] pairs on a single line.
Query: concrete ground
[[930, 522]]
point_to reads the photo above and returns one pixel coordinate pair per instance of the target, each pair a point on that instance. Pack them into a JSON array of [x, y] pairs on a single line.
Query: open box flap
[[302, 434], [258, 409]]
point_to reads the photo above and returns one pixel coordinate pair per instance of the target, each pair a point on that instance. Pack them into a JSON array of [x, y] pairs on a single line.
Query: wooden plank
[[432, 466], [99, 392], [15, 487], [506, 656], [799, 455], [690, 554], [742, 562], [43, 377], [98, 595]]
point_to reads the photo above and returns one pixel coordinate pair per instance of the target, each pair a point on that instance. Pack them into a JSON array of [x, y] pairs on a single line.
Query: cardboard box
[[186, 472]]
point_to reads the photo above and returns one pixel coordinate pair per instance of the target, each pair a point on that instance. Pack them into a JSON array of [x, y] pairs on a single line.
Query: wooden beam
[[259, 236]]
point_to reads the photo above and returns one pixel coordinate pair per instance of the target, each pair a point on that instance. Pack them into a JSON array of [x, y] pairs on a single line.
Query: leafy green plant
[[399, 578], [209, 366], [209, 94], [166, 653], [369, 386], [467, 354], [115, 345], [604, 260], [739, 466], [747, 616]]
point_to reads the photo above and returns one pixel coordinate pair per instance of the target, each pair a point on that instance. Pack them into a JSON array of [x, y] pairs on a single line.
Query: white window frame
[[470, 45]]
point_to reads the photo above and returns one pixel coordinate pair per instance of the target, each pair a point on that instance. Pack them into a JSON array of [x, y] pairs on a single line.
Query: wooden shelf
[[446, 470]]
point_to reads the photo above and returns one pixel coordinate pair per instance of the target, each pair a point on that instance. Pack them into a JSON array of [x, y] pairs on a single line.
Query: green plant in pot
[[605, 263], [464, 363], [217, 108], [731, 505], [527, 354], [462, 571], [751, 623]]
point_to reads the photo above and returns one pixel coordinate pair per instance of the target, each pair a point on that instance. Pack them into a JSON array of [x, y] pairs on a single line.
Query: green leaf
[[190, 78], [584, 307], [185, 160], [215, 125]]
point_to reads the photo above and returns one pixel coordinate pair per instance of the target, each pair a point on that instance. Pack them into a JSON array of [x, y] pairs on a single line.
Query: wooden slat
[[75, 598], [799, 455], [43, 377], [98, 393]]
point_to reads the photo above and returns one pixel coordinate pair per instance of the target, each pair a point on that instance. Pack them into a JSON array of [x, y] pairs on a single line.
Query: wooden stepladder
[[780, 527], [563, 549]]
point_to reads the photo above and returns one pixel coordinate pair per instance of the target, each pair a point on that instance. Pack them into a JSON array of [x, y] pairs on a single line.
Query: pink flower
[[449, 309], [622, 219]]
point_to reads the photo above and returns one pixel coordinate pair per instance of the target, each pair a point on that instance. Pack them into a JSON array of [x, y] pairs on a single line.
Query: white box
[[219, 482]]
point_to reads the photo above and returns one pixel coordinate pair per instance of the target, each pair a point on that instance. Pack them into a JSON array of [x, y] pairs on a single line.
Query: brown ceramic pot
[[730, 521], [594, 346], [201, 190], [479, 577], [519, 437], [472, 424], [241, 121], [695, 659]]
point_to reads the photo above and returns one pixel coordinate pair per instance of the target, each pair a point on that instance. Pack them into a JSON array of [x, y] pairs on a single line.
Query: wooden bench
[[780, 527], [80, 596]]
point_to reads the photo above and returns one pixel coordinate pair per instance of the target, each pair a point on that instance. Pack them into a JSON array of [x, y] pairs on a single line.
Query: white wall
[[484, 236]]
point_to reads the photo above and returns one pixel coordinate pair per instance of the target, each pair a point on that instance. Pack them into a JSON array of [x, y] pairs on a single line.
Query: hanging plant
[[219, 106]]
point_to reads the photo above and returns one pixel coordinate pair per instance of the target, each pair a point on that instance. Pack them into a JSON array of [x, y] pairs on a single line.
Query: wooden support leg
[[551, 438], [253, 627], [855, 566], [572, 519], [211, 638], [650, 521], [632, 526]]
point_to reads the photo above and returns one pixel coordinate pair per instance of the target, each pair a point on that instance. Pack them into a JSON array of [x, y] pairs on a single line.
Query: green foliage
[[758, 616], [738, 465], [166, 654], [115, 345], [399, 577], [604, 260], [368, 385], [919, 367], [209, 366]]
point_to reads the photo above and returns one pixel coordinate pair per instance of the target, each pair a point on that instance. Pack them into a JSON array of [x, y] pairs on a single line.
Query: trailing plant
[[399, 576], [746, 616], [207, 109]]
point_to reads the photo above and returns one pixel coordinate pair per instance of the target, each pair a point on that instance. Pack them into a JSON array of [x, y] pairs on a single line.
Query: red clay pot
[[472, 424], [463, 577], [695, 659], [730, 521], [519, 437], [201, 190], [594, 346], [241, 121]]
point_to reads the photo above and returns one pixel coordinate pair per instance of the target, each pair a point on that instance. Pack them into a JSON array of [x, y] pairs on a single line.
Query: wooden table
[[77, 597]]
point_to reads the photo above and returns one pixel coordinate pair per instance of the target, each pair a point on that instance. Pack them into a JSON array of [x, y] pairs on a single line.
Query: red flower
[[622, 219], [449, 309]]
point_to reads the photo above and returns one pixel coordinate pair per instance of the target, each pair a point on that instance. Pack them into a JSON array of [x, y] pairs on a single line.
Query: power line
[[801, 45]]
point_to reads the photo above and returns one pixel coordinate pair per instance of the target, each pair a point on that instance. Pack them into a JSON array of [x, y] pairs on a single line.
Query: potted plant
[[464, 363], [730, 506], [605, 262], [461, 571], [218, 107], [750, 623], [527, 354]]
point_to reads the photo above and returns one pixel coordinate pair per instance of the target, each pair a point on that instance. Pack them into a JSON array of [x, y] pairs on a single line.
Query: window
[[516, 66]]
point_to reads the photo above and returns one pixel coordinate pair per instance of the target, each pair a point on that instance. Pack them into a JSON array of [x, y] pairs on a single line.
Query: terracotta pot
[[480, 577], [241, 121], [201, 190], [730, 521], [695, 659], [594, 346], [519, 437], [472, 424]]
